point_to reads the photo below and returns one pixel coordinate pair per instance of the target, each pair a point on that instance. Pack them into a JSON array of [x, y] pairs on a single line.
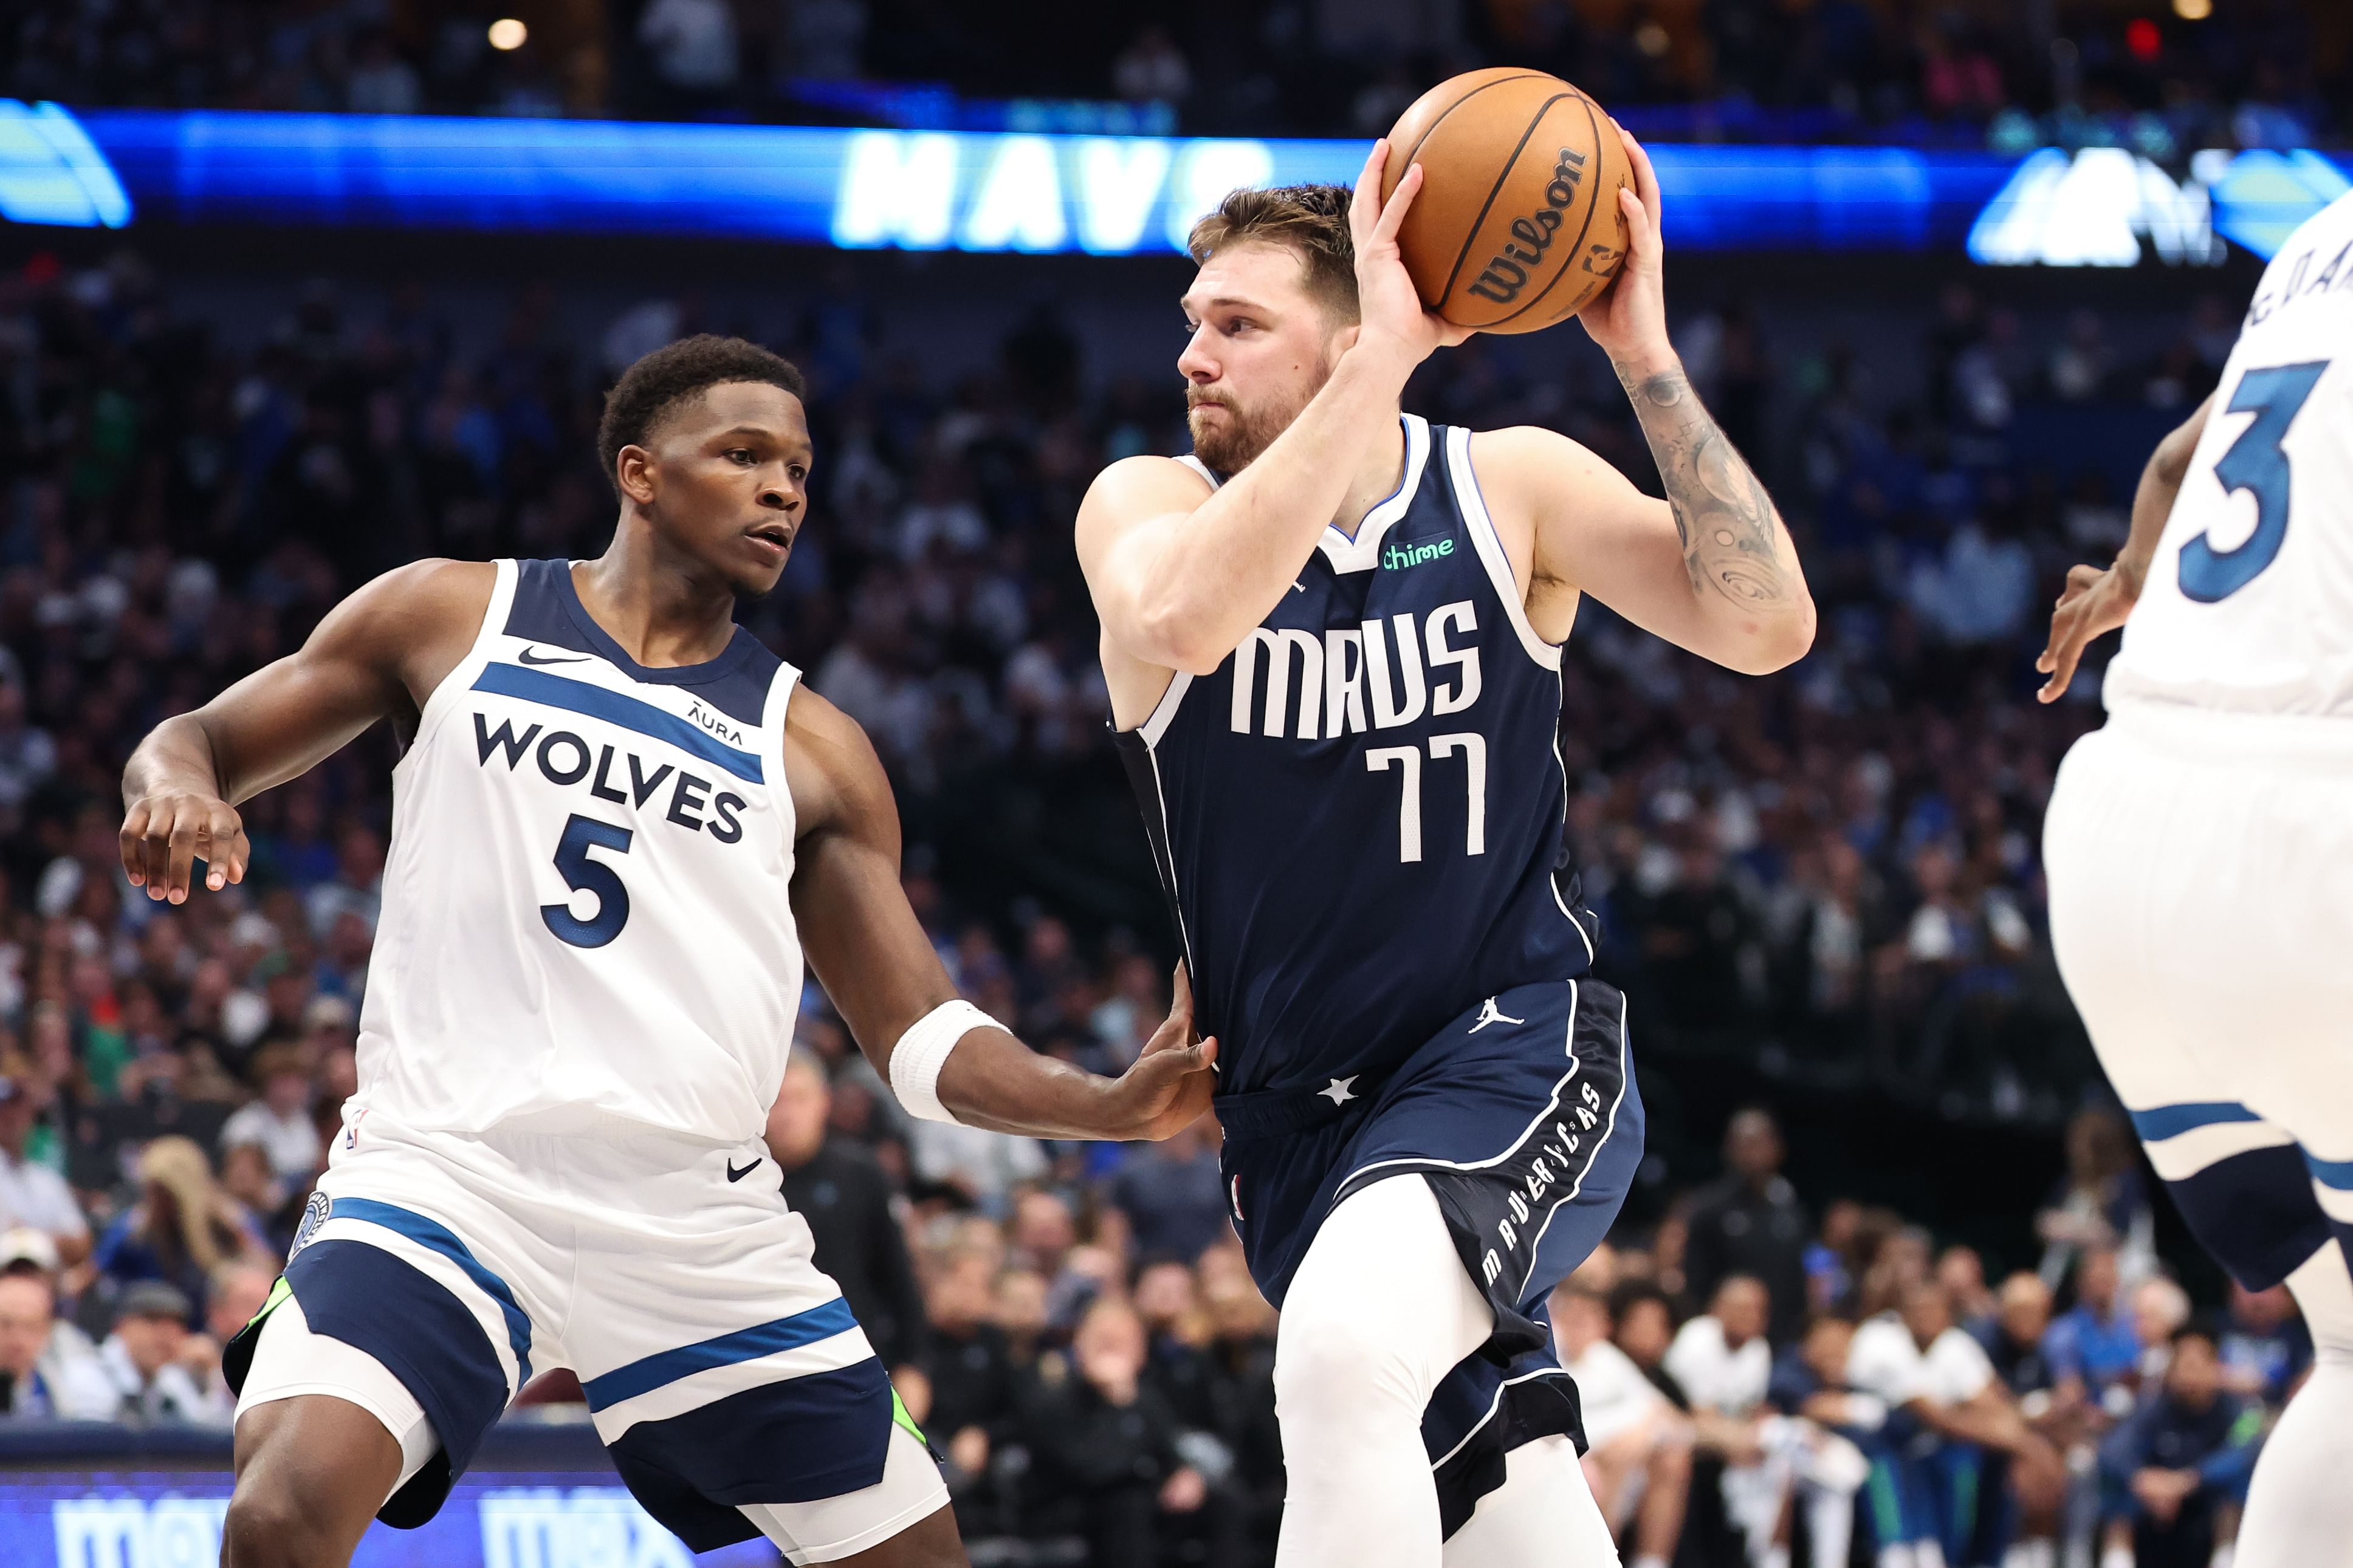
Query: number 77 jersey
[[586, 925], [1359, 816], [2249, 602]]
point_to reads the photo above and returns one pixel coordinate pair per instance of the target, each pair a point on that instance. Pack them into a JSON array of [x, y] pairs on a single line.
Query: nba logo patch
[[314, 1215]]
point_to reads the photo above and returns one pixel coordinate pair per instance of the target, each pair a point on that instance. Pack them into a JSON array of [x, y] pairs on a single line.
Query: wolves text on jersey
[[1336, 673], [566, 759]]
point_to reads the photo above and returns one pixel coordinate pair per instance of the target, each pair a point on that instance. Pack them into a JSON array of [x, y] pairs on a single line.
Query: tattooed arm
[[1710, 568]]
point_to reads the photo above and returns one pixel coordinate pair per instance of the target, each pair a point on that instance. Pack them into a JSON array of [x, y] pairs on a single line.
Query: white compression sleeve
[[923, 1051]]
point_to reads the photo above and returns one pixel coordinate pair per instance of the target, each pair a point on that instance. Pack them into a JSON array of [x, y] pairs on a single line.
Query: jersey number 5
[[2256, 463], [581, 874]]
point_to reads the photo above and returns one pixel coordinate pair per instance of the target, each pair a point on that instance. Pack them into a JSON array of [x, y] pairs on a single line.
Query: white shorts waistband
[[2223, 737]]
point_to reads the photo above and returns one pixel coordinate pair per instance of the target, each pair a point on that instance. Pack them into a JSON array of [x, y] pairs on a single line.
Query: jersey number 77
[[2256, 463]]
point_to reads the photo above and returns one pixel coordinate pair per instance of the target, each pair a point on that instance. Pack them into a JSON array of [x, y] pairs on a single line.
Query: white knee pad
[[1380, 1311]]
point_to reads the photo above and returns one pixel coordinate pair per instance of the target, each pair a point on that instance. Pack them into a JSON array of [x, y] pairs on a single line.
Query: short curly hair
[[653, 388], [1310, 220]]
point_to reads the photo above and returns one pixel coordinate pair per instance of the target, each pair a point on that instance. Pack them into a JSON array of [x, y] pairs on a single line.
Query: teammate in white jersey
[[616, 822], [2200, 847]]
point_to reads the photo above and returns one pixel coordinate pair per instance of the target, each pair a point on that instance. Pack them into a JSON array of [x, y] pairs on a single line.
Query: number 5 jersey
[[585, 922]]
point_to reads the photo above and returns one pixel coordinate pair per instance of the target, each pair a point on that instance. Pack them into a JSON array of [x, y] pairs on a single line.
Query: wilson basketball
[[1517, 224]]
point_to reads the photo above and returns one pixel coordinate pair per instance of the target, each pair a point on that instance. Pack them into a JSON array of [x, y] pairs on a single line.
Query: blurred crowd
[[1835, 872], [2074, 72]]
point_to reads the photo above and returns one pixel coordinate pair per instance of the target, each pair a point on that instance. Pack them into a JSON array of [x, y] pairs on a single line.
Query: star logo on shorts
[[1341, 1091]]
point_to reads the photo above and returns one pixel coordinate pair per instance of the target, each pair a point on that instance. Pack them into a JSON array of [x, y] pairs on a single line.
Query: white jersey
[[2248, 602], [586, 921]]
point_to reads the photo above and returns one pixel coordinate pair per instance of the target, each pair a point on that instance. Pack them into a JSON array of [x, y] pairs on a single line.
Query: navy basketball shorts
[[1523, 1116], [723, 1369], [2201, 868]]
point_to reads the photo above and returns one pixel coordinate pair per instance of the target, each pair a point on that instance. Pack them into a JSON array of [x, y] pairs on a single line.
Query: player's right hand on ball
[[165, 833], [1387, 304], [1169, 1084]]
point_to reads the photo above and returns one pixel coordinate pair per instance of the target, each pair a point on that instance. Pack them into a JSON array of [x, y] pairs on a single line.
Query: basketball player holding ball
[[1332, 639]]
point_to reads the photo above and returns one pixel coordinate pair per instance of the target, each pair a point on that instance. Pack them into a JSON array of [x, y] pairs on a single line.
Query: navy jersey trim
[[1142, 766], [433, 1233], [549, 690], [1363, 553], [547, 608], [1488, 539], [664, 1367]]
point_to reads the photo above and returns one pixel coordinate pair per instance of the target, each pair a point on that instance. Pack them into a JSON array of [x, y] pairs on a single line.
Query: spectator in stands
[[1834, 1437], [2159, 1307], [2176, 1470], [280, 1122], [2013, 1339], [2092, 1347], [32, 1194], [182, 1228], [240, 1289], [1723, 1363], [1172, 1195], [2264, 1345], [976, 1389], [1751, 1223], [1639, 1459], [1241, 1360], [1958, 1423], [146, 1356], [2101, 1203], [837, 1186], [980, 1167], [48, 1368], [1106, 1446]]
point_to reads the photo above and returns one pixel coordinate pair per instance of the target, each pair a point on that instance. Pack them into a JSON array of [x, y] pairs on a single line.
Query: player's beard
[[1229, 445]]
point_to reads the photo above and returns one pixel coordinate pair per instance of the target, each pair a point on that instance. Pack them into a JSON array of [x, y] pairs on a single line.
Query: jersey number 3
[[581, 874], [2256, 463]]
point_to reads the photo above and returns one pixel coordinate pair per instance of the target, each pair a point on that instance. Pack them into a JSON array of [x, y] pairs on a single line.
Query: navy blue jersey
[[1359, 816]]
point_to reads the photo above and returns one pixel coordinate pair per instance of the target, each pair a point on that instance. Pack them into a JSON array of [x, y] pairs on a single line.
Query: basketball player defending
[[1333, 642], [2200, 847], [617, 821]]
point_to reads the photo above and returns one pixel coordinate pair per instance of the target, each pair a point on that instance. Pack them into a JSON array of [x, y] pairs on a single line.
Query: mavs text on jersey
[[1360, 820]]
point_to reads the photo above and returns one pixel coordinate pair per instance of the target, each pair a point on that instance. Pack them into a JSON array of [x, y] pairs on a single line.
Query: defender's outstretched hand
[[165, 833], [1628, 318], [2094, 602], [1387, 305], [1170, 1084]]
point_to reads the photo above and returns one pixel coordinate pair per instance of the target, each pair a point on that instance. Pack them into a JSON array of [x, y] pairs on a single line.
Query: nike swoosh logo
[[735, 1175], [526, 658]]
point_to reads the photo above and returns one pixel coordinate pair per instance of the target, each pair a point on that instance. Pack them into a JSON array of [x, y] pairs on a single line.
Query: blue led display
[[1106, 195]]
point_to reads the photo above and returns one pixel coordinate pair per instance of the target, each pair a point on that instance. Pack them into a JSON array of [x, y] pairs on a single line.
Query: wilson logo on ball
[[1506, 273]]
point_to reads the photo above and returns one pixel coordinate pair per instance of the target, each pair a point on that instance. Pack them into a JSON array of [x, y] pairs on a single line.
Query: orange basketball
[[1517, 224]]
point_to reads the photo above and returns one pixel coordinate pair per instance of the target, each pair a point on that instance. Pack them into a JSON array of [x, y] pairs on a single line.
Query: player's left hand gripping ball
[[1628, 318]]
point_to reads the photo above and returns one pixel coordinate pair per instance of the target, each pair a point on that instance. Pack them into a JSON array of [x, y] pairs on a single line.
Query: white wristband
[[923, 1050]]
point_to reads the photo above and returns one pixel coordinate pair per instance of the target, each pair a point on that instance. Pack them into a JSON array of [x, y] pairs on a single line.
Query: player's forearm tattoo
[[1731, 537]]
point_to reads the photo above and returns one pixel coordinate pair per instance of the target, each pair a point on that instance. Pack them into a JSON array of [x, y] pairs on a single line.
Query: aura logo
[[51, 173], [2095, 209]]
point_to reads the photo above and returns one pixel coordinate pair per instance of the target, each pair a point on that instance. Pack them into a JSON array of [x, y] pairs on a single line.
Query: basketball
[[1516, 225]]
